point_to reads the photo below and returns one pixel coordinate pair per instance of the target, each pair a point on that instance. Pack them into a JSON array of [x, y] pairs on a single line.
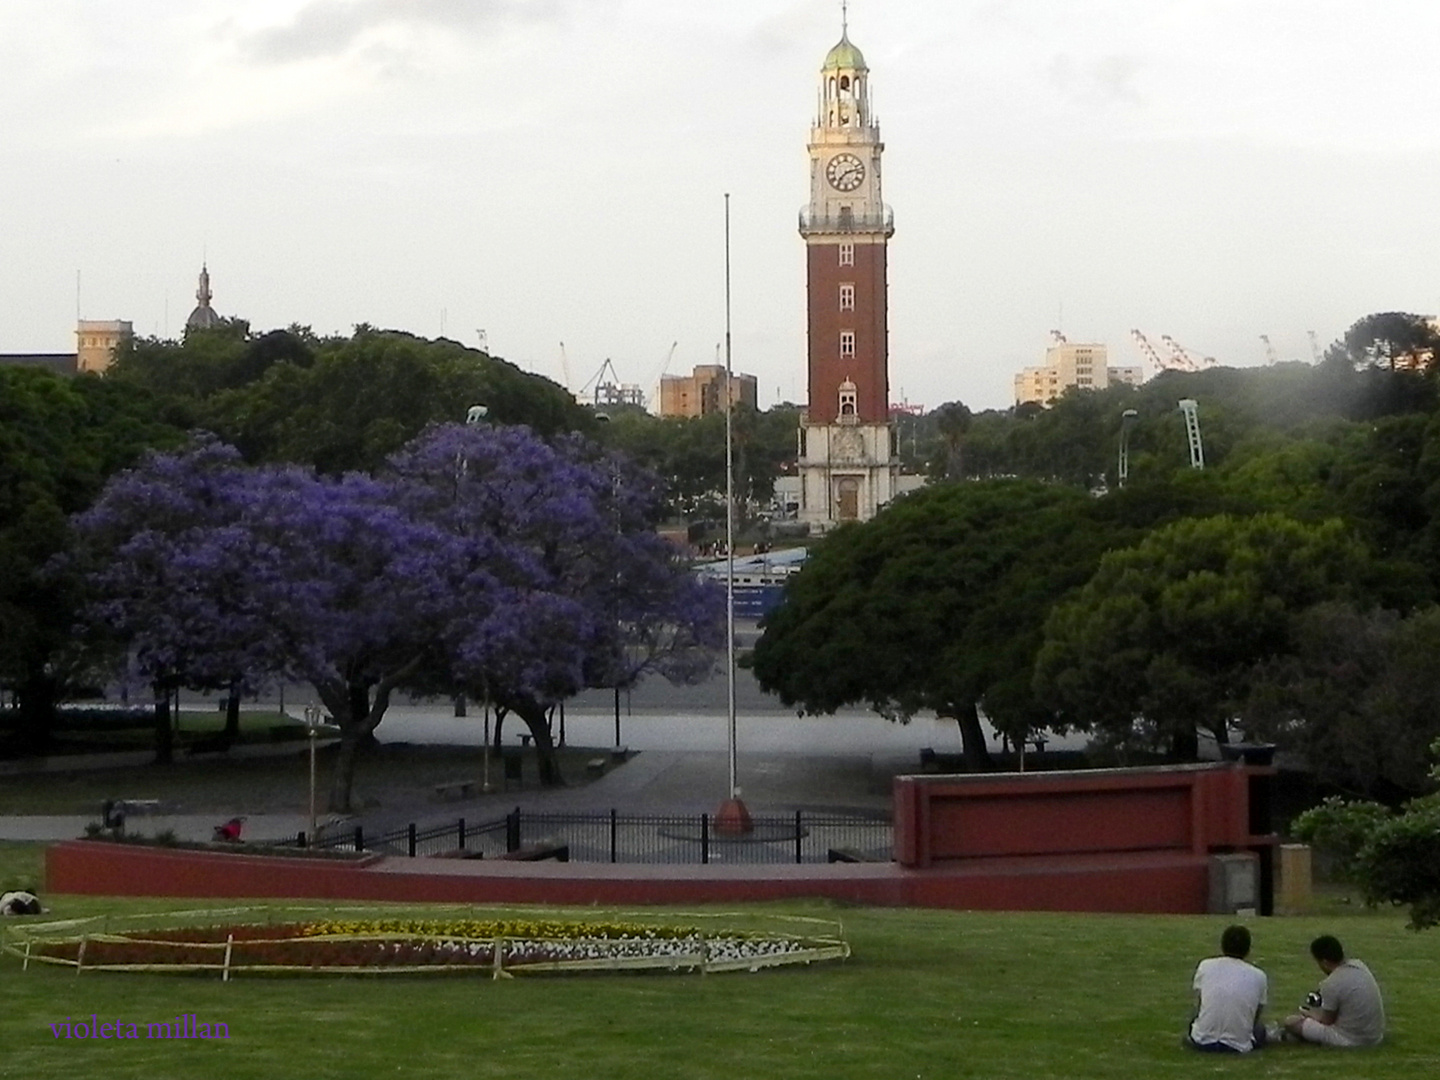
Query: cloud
[[1105, 80], [793, 27], [328, 28]]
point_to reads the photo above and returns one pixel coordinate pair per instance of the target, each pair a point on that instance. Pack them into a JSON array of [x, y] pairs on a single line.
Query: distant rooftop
[[59, 363]]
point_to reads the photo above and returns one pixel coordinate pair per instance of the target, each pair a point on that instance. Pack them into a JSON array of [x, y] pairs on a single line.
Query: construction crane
[[1185, 360], [1148, 351], [1271, 356], [565, 367], [1314, 345], [1190, 408], [664, 367]]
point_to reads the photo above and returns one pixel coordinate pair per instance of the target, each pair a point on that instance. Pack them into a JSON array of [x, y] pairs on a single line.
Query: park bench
[[545, 849], [849, 854], [456, 789]]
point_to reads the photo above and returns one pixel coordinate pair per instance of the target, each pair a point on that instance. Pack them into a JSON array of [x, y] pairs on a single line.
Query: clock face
[[845, 172]]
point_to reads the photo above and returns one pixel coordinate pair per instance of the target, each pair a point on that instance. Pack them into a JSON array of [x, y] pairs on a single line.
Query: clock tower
[[847, 463]]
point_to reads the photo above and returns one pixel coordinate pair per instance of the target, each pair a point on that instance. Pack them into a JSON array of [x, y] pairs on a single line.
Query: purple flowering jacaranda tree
[[216, 572], [482, 559], [590, 595], [171, 564]]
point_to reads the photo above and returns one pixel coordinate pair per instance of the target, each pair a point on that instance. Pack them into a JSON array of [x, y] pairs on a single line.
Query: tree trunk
[[545, 759], [500, 713], [343, 778], [232, 715], [164, 734], [358, 716], [37, 713], [340, 700], [972, 737]]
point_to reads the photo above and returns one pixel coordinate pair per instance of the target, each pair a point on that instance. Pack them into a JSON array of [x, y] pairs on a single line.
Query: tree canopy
[[936, 604], [480, 558], [337, 403], [59, 439], [1164, 637]]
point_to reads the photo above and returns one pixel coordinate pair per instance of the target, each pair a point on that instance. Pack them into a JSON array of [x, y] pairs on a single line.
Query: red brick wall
[[869, 368], [1192, 809], [1147, 882]]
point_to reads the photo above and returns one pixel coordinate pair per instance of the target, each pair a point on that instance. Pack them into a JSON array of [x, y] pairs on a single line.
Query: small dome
[[204, 317], [844, 56]]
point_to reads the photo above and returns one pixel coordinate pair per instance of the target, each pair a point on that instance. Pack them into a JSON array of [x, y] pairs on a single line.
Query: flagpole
[[733, 817], [729, 521]]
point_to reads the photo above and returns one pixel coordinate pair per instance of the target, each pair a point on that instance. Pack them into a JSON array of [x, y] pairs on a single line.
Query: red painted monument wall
[[1135, 840]]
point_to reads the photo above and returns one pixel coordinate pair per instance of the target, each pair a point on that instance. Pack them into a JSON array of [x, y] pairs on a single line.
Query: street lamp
[[1127, 421], [312, 725]]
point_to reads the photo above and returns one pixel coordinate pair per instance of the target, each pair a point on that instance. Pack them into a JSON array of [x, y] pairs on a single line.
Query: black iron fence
[[802, 837]]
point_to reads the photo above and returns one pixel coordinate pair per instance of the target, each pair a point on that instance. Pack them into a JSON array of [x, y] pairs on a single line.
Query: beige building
[[96, 341], [702, 392], [1071, 364], [95, 344]]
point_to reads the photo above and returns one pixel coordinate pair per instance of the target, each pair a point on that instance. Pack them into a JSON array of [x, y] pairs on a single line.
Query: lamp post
[[312, 724]]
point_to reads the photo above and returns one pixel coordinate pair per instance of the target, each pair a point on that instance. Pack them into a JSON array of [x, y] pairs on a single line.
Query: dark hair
[[1235, 941], [1327, 948]]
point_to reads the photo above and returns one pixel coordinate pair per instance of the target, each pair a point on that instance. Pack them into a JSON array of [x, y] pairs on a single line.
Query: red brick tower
[[847, 462]]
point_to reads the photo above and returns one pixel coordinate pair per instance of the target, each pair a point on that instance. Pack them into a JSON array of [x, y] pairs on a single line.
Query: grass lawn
[[926, 994]]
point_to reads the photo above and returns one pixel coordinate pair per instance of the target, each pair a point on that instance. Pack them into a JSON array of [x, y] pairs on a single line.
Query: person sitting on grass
[[1350, 1011], [1230, 994]]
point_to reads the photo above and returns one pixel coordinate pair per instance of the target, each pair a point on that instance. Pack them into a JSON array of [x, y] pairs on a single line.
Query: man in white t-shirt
[[1230, 994], [1350, 1011]]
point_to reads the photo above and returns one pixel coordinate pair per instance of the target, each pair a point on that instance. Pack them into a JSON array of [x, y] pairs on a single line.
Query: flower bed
[[498, 946]]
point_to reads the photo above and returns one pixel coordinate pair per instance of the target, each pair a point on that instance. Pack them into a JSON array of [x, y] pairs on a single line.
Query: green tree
[[1163, 640], [688, 453], [59, 440], [936, 604], [952, 421], [1358, 695], [338, 402], [362, 398]]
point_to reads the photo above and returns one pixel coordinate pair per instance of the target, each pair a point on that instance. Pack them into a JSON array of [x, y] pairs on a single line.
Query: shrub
[[1400, 863], [1339, 830]]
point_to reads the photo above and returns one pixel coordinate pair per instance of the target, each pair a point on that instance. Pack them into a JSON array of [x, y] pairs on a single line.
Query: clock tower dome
[[847, 461]]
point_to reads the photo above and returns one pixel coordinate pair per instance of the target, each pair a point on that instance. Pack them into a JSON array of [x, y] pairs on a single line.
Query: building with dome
[[848, 463], [204, 317]]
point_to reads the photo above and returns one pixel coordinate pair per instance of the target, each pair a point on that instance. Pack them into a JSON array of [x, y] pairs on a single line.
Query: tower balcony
[[847, 224]]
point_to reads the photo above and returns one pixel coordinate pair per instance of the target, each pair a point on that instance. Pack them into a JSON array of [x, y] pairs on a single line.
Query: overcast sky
[[554, 170]]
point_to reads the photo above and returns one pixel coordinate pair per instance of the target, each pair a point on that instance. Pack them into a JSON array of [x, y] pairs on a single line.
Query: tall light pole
[[733, 817], [1127, 421]]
